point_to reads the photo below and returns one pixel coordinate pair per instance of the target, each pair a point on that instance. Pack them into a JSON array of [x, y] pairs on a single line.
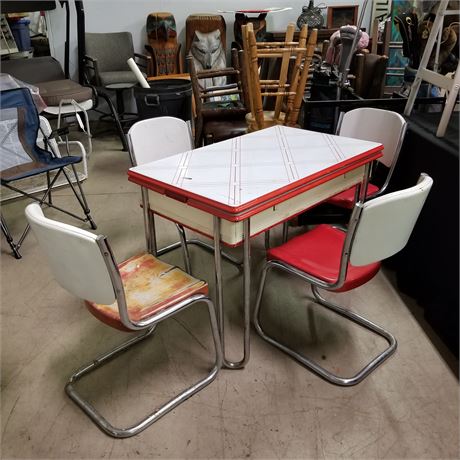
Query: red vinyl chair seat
[[346, 199], [150, 285], [318, 253]]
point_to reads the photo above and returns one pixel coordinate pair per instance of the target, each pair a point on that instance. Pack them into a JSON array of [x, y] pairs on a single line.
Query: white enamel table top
[[243, 172], [268, 176]]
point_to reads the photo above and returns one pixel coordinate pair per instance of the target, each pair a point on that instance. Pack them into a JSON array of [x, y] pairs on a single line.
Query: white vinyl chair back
[[386, 223], [376, 125], [74, 257], [157, 138]]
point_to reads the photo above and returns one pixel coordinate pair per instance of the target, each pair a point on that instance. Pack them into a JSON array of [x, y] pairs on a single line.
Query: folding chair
[[22, 158]]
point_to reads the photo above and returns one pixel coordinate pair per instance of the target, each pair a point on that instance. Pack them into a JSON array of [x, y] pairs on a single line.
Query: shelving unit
[[7, 44]]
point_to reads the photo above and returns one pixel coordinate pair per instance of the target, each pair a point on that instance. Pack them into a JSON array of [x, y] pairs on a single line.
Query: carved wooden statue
[[163, 46], [259, 24], [205, 42]]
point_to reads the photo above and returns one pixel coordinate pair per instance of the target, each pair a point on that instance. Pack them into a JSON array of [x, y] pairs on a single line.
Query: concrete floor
[[273, 408]]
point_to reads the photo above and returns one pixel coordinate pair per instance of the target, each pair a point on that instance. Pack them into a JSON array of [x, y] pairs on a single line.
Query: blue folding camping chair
[[21, 157]]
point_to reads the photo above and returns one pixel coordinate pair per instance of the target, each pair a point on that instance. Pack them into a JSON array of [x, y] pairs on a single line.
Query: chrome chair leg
[[358, 319], [102, 422], [183, 243], [267, 240], [284, 236], [285, 231]]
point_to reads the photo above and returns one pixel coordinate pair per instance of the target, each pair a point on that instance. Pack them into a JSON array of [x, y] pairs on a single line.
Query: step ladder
[[423, 74]]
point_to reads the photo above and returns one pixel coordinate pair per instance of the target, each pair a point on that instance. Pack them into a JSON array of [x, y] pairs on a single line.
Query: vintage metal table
[[238, 188]]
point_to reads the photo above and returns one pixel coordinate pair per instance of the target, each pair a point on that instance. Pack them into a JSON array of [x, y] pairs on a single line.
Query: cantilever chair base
[[163, 409], [358, 319], [137, 294]]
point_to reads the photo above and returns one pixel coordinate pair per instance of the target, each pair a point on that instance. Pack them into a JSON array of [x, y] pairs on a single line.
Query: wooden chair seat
[[150, 285]]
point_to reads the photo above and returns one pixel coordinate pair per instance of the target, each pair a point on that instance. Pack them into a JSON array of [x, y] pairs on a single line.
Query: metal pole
[[80, 39]]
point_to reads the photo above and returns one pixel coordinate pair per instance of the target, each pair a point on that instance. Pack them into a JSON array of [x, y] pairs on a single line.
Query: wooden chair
[[294, 60], [220, 110], [369, 70]]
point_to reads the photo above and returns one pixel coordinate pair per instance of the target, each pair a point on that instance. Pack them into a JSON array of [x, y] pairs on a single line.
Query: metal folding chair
[[22, 158]]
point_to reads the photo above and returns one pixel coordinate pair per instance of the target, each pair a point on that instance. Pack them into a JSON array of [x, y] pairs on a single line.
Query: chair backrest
[[289, 86], [74, 256], [369, 70], [218, 94], [376, 125], [112, 50], [386, 223], [156, 138], [20, 123], [204, 94], [34, 70]]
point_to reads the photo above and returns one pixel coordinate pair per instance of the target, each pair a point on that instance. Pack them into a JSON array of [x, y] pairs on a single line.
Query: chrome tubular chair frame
[[148, 326], [358, 319], [149, 223], [375, 362], [395, 156], [378, 229]]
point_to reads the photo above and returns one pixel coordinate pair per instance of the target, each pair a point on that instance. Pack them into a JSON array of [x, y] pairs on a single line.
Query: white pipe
[[135, 69]]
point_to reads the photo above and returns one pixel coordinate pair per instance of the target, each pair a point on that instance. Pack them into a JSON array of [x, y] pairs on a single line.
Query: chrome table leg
[[246, 293]]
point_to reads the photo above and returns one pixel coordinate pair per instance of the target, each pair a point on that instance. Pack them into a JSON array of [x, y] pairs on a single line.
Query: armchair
[[108, 70]]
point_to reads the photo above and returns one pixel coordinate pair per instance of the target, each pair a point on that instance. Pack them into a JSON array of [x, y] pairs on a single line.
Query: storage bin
[[168, 97]]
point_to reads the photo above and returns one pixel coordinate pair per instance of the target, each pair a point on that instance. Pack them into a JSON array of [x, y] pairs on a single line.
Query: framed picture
[[338, 16]]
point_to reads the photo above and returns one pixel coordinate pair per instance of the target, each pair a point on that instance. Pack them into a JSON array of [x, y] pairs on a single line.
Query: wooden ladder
[[423, 74]]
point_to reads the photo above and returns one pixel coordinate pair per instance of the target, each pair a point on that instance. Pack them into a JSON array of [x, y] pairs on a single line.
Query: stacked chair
[[220, 110], [294, 59]]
